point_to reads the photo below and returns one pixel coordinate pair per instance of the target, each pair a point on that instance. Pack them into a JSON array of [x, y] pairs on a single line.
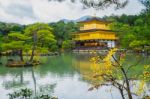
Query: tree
[[0, 48], [45, 38], [67, 44], [59, 32], [146, 3], [111, 70], [62, 31], [41, 37], [0, 43], [6, 28], [15, 41], [135, 35], [124, 33]]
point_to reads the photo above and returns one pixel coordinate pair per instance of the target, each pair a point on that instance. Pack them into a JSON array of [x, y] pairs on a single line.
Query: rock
[[54, 98]]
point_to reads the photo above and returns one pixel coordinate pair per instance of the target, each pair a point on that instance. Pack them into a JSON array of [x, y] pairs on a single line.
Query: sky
[[31, 11]]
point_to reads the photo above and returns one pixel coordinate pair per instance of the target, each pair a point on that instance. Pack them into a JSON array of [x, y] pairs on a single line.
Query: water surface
[[62, 76]]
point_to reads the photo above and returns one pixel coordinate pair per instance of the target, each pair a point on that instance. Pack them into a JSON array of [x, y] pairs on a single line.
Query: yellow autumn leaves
[[110, 66], [101, 66], [144, 78]]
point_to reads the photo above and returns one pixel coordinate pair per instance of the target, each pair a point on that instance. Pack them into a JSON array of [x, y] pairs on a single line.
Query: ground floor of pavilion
[[94, 44]]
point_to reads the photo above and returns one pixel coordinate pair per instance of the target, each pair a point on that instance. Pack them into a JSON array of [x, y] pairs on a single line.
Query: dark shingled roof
[[94, 18]]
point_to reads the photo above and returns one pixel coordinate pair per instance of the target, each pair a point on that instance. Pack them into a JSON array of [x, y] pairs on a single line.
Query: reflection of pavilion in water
[[84, 68]]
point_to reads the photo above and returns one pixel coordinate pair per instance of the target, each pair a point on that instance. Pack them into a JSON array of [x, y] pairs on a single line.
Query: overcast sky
[[30, 11]]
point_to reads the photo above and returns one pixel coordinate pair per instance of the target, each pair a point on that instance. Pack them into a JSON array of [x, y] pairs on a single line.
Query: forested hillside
[[133, 30]]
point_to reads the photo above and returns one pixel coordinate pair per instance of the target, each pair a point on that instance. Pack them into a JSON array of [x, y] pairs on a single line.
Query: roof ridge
[[94, 18]]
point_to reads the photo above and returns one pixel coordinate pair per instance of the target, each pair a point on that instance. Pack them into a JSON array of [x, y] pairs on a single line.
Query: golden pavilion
[[94, 34]]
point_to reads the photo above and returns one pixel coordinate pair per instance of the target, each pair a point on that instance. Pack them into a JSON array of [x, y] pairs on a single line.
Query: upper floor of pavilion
[[94, 23]]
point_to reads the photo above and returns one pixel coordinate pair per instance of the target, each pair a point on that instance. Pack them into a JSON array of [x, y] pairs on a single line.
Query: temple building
[[94, 34]]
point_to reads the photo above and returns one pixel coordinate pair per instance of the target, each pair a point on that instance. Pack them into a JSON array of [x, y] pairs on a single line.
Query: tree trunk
[[59, 43], [121, 92], [32, 55], [0, 60], [34, 46], [21, 56], [127, 83]]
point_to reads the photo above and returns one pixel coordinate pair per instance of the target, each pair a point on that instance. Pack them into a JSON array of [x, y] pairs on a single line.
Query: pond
[[61, 76]]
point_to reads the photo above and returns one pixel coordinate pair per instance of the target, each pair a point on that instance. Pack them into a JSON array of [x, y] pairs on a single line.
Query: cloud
[[17, 11], [30, 11]]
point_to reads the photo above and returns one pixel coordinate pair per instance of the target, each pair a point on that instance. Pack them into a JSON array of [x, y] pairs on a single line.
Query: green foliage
[[17, 36], [67, 44], [14, 41], [124, 32], [62, 31], [34, 28], [41, 35], [133, 31], [54, 48], [132, 36], [5, 28], [125, 19], [23, 94], [44, 92], [0, 43], [45, 37], [146, 3], [41, 38], [50, 37], [28, 94], [13, 45], [137, 43], [36, 39]]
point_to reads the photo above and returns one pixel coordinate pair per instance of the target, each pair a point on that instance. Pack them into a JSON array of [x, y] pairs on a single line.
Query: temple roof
[[94, 18], [94, 30]]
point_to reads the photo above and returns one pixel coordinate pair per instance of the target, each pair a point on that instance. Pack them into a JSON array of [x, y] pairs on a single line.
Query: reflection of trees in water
[[34, 79], [45, 92], [43, 89], [47, 88], [84, 67], [148, 88], [57, 65], [17, 81], [14, 84]]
